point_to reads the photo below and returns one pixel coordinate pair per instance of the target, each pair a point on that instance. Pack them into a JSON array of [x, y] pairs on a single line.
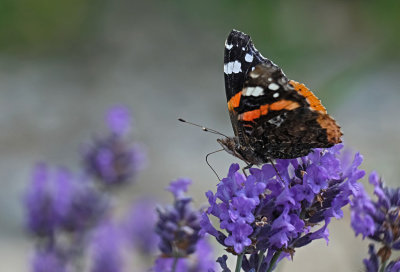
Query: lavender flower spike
[[139, 226], [106, 251], [41, 218], [46, 260], [114, 159], [178, 227], [119, 120], [259, 214], [378, 220]]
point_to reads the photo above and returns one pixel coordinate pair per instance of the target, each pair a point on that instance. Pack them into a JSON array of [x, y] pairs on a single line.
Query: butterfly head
[[246, 153]]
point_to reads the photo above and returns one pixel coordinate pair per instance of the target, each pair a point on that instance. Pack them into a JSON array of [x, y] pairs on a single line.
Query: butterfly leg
[[276, 170], [246, 168]]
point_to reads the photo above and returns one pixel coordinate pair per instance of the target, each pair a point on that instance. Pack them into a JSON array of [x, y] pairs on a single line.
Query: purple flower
[[77, 203], [166, 264], [46, 260], [393, 266], [362, 210], [241, 210], [41, 219], [59, 200], [139, 226], [179, 187], [378, 220], [58, 203], [260, 212], [204, 260], [316, 178], [114, 159], [201, 261], [239, 239], [373, 263], [181, 242], [106, 250], [178, 225], [119, 120]]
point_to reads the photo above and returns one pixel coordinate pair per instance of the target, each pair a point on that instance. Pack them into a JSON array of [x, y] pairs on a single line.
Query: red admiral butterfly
[[272, 117]]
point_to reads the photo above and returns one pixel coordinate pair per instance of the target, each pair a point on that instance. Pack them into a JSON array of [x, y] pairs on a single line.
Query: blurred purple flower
[[166, 265], [77, 204], [262, 213], [46, 260], [113, 159], [139, 226], [204, 257], [58, 200], [373, 264], [41, 219], [106, 249], [201, 261], [119, 120], [379, 221]]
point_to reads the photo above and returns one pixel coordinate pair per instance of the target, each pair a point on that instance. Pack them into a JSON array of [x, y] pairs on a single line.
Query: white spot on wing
[[248, 57], [273, 86], [253, 91], [228, 46], [232, 67], [276, 95]]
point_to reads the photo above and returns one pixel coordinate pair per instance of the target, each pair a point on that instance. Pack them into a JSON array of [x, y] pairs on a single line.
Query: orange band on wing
[[284, 105], [250, 115], [314, 102], [254, 114], [263, 110], [332, 129], [234, 101]]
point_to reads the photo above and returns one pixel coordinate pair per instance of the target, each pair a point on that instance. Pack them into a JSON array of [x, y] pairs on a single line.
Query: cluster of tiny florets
[[277, 213]]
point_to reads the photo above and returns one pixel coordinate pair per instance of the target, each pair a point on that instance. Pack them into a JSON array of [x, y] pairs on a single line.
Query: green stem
[[174, 264], [239, 262], [260, 259], [274, 260], [383, 266]]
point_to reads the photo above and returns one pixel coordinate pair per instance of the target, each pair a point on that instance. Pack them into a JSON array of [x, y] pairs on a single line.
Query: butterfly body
[[272, 117]]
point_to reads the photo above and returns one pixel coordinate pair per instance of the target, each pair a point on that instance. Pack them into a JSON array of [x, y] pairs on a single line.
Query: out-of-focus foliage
[[303, 24], [45, 25]]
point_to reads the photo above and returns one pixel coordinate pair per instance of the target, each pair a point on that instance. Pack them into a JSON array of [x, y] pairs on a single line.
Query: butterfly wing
[[276, 117], [240, 57], [282, 118]]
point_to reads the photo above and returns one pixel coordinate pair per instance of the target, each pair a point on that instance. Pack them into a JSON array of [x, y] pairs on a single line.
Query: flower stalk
[[239, 261]]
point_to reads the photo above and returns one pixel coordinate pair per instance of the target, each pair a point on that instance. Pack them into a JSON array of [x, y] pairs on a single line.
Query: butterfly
[[272, 116]]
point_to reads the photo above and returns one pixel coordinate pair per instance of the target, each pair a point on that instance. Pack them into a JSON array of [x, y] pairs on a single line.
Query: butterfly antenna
[[203, 128], [210, 164]]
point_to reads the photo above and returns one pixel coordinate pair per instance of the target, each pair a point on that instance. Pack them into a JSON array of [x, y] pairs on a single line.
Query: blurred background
[[64, 63]]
